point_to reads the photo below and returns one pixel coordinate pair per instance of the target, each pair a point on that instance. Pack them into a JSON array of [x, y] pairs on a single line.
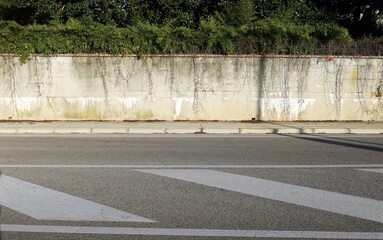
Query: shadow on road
[[356, 141], [336, 141], [333, 140]]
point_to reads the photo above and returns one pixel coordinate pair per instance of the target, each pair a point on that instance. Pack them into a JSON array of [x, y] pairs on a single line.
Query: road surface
[[191, 187]]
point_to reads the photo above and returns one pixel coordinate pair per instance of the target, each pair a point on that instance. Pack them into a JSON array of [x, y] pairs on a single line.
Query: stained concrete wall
[[94, 87]]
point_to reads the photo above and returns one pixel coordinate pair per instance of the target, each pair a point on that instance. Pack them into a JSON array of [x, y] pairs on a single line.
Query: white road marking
[[192, 166], [375, 170], [192, 232], [353, 206], [181, 135], [47, 204]]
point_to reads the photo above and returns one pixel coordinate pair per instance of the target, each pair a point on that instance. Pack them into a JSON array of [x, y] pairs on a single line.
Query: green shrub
[[212, 37]]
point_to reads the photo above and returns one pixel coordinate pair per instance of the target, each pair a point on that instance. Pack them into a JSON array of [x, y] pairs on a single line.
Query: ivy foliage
[[212, 37], [184, 26]]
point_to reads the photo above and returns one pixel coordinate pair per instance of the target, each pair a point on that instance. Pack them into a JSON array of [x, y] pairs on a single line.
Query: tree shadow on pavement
[[336, 141]]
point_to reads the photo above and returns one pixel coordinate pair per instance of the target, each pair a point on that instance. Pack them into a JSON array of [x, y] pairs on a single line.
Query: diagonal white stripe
[[270, 166], [375, 170], [47, 204], [309, 197], [192, 232]]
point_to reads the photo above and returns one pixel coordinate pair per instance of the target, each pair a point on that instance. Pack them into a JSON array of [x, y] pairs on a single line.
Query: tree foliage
[[360, 17], [184, 26]]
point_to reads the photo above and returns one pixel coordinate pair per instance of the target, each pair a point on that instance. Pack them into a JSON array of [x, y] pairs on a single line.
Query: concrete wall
[[93, 87]]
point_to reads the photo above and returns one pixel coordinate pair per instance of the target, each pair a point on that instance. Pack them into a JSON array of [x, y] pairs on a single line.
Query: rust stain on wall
[[354, 76]]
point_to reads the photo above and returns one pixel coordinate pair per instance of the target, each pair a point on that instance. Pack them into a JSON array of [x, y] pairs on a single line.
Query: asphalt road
[[191, 187]]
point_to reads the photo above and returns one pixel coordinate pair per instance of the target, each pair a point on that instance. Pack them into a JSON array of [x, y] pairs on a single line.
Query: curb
[[35, 130], [8, 130], [366, 131], [237, 131], [146, 130], [110, 130], [72, 130], [221, 130], [182, 131], [258, 131], [332, 130]]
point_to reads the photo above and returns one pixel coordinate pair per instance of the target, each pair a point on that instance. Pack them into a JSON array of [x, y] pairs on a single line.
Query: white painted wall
[[94, 87]]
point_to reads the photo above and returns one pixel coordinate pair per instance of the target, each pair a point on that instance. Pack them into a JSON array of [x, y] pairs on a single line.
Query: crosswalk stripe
[[47, 204], [339, 203], [163, 166], [375, 170], [253, 234]]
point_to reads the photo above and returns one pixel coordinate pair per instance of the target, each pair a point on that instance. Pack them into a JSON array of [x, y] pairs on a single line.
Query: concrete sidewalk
[[191, 127]]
